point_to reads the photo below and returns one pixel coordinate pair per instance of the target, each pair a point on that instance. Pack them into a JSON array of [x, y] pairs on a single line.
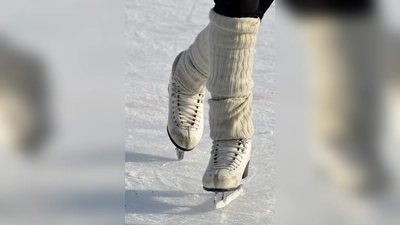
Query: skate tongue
[[228, 154], [189, 108]]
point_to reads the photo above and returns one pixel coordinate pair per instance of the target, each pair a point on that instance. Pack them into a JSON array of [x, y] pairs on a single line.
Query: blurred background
[[338, 101], [61, 112]]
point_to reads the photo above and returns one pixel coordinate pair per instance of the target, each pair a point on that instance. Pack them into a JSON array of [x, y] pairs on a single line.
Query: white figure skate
[[228, 165], [185, 118]]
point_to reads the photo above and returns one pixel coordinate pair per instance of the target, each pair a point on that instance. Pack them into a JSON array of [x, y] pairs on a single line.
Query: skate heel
[[246, 171]]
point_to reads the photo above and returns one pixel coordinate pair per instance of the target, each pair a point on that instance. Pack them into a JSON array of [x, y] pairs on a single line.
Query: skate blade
[[227, 197], [180, 153]]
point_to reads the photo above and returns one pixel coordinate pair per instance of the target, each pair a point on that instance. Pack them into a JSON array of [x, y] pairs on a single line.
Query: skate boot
[[185, 118], [228, 165]]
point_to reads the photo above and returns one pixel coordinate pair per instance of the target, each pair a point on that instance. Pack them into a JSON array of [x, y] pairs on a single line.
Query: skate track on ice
[[159, 189]]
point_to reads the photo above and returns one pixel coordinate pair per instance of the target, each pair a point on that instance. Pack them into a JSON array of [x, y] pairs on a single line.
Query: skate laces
[[228, 154], [187, 107]]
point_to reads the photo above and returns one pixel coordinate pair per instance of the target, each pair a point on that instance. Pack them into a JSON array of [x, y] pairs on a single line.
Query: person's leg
[[230, 41], [191, 67], [231, 46], [186, 89], [189, 74]]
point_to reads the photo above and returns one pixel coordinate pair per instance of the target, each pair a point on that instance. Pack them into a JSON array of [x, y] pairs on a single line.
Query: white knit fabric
[[191, 67], [222, 55], [231, 55]]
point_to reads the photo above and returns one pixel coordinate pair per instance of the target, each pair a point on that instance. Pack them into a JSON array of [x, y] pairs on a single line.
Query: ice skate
[[185, 118], [228, 165], [186, 95]]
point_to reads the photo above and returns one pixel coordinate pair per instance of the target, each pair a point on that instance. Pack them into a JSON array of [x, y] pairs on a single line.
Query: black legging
[[242, 8]]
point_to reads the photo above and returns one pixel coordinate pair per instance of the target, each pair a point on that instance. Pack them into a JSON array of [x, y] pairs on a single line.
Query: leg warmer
[[231, 46], [191, 67]]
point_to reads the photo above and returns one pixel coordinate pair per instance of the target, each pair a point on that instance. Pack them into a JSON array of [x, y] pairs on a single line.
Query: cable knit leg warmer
[[191, 67], [231, 54]]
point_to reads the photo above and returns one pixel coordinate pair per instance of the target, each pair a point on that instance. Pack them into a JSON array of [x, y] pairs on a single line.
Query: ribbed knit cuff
[[233, 33], [231, 118]]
